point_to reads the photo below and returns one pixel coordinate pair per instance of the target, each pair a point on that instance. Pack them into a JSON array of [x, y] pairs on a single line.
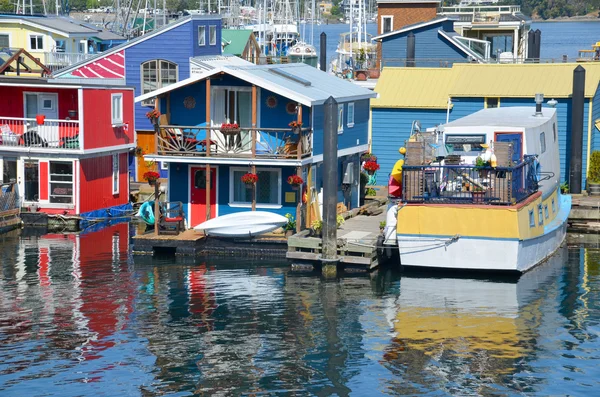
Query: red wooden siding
[[44, 180], [96, 183], [98, 130], [13, 100], [108, 67]]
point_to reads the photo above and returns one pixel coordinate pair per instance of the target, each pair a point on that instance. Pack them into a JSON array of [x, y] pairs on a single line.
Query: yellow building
[[325, 7]]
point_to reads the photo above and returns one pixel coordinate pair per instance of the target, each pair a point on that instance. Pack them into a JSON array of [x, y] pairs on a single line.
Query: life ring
[[297, 49]]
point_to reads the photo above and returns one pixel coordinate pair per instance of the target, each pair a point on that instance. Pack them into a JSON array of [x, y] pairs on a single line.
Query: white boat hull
[[245, 224]]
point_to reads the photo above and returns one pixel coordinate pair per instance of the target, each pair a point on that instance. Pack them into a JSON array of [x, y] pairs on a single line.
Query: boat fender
[[379, 245]]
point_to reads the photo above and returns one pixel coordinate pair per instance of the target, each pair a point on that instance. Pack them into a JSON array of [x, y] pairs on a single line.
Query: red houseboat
[[66, 144]]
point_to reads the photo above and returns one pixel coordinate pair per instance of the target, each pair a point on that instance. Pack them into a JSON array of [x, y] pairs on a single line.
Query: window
[[32, 185], [61, 182], [546, 214], [4, 40], [553, 206], [164, 165], [340, 118], [465, 144], [268, 188], [116, 109], [61, 45], [36, 42], [540, 215], [492, 102], [554, 130], [543, 142], [531, 219], [212, 34], [115, 174], [350, 115], [201, 36], [387, 22], [157, 74]]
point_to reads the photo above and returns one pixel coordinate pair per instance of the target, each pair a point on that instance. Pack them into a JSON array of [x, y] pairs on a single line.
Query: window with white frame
[[201, 36], [164, 165], [340, 118], [212, 34], [61, 182], [350, 115], [387, 22], [543, 142], [268, 187], [4, 40], [115, 174], [157, 74], [116, 109], [36, 42]]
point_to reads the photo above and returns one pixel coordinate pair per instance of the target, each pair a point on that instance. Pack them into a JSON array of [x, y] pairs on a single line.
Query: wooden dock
[[585, 214]]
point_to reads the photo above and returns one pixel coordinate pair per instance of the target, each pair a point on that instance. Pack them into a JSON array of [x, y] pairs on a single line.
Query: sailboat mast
[[351, 23], [312, 23]]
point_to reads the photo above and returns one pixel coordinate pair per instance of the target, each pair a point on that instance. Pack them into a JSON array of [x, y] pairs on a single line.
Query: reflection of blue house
[[434, 95], [271, 97], [150, 62], [436, 45]]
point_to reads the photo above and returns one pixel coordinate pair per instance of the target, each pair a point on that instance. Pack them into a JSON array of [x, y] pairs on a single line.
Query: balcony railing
[[58, 60], [26, 132], [174, 140], [468, 184]]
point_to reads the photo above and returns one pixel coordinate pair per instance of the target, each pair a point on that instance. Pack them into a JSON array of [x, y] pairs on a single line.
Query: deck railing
[[480, 14], [468, 184], [26, 132], [175, 140], [58, 60]]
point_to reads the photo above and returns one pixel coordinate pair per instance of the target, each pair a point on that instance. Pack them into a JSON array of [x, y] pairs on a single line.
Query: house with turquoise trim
[[434, 96], [225, 122]]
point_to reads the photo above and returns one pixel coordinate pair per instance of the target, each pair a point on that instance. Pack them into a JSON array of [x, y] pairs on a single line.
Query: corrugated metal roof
[[235, 40], [209, 62], [413, 88], [554, 80]]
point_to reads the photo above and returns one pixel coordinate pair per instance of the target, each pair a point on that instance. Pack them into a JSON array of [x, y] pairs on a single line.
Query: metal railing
[[468, 184], [26, 132], [243, 143], [58, 60], [448, 62]]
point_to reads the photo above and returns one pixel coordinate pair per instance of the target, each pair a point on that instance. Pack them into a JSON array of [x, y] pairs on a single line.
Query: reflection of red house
[[66, 144], [201, 299]]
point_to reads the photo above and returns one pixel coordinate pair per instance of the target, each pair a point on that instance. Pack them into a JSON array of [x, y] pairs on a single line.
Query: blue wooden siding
[[207, 49], [430, 47], [596, 116], [278, 116], [179, 182], [180, 115], [351, 198], [351, 136], [465, 106], [390, 130]]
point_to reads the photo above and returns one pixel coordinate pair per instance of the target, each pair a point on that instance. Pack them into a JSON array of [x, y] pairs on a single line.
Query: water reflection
[[79, 316]]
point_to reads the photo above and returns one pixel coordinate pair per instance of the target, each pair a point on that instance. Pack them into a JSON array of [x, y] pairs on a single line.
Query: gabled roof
[[209, 62], [299, 82], [451, 38], [147, 36], [62, 25], [414, 26], [235, 40]]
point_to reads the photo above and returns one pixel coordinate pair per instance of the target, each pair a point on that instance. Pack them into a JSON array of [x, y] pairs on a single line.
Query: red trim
[[44, 180]]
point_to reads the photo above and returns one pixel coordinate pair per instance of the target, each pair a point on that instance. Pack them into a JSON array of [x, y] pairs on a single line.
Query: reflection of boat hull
[[311, 60], [246, 224]]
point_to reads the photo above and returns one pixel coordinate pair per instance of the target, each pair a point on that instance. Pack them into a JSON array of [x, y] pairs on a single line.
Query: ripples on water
[[79, 316]]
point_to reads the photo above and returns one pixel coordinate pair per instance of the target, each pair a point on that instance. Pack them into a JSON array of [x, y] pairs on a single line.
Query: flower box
[[230, 129]]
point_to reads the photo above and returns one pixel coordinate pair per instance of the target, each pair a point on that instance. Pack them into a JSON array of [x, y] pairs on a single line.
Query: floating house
[[56, 41], [150, 62], [434, 96], [241, 43], [207, 159], [66, 145]]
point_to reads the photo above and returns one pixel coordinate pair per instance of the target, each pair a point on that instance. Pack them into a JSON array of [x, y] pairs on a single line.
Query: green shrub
[[291, 225], [371, 192], [594, 172]]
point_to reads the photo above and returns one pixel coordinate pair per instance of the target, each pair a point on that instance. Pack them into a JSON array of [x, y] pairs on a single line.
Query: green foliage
[[480, 163], [6, 6], [546, 9], [336, 11], [382, 224], [317, 226], [594, 172], [291, 225], [564, 187], [371, 192], [364, 179], [339, 221]]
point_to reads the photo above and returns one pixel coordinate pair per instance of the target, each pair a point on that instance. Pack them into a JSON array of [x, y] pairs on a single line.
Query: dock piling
[[578, 98], [323, 52]]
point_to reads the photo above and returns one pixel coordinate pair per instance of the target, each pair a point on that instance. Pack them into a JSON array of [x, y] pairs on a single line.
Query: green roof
[[235, 40]]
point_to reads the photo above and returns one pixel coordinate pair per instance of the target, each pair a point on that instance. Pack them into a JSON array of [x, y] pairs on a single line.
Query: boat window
[[553, 206], [157, 74], [531, 219], [386, 23], [61, 182], [546, 214], [350, 115], [554, 129], [540, 215], [463, 144], [201, 36], [268, 187], [542, 142]]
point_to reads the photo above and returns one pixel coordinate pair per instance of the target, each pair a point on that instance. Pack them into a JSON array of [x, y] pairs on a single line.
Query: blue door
[[517, 140]]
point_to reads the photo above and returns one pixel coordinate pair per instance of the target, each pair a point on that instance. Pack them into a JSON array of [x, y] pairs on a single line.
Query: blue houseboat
[[266, 120], [435, 96], [150, 62]]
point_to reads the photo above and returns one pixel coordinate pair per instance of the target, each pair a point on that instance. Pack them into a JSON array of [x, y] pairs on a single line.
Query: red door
[[198, 195]]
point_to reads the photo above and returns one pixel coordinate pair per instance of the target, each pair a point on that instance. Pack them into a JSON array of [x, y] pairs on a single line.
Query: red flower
[[295, 180], [151, 176], [249, 178], [153, 114], [230, 126], [371, 166], [295, 124]]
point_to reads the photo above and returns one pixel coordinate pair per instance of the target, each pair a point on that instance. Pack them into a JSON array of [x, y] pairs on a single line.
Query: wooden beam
[[254, 122], [208, 138]]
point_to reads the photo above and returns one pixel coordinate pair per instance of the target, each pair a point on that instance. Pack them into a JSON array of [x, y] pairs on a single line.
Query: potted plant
[[360, 72], [367, 156], [230, 128], [151, 177], [564, 188], [478, 194], [382, 226], [290, 226], [317, 227], [153, 116], [249, 180], [593, 178], [40, 118], [295, 181], [296, 127], [139, 152], [371, 166]]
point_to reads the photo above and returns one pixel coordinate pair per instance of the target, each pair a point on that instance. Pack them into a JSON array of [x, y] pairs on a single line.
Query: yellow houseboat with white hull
[[482, 193]]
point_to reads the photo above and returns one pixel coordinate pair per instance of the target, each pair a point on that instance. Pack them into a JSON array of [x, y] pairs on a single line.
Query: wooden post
[[329, 257], [309, 219], [299, 173], [156, 206], [208, 137], [254, 117], [168, 107]]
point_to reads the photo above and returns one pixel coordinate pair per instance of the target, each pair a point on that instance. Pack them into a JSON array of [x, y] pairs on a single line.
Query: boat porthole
[[297, 49]]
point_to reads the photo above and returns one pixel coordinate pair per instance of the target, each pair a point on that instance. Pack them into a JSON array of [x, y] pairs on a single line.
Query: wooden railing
[[265, 143], [26, 132]]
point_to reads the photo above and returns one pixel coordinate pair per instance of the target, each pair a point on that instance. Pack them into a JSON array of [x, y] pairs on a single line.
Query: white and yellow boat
[[478, 206]]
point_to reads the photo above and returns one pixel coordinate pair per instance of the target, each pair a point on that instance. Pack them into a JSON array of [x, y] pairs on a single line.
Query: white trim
[[29, 36], [43, 27], [113, 169], [189, 197], [344, 152], [9, 34], [73, 202], [209, 28], [460, 46], [234, 204], [350, 123], [116, 120], [204, 28], [410, 27], [228, 161], [106, 150], [340, 126], [78, 190], [383, 18]]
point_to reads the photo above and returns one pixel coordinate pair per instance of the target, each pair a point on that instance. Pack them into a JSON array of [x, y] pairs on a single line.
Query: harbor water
[[79, 316]]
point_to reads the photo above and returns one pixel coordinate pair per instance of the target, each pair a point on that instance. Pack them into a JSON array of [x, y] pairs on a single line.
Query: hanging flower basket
[[151, 177], [153, 116], [371, 166], [295, 182], [249, 180], [296, 127], [230, 128]]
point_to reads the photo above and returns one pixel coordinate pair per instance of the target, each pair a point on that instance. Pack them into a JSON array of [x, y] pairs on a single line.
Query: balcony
[[251, 143], [17, 133], [59, 60], [468, 184]]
